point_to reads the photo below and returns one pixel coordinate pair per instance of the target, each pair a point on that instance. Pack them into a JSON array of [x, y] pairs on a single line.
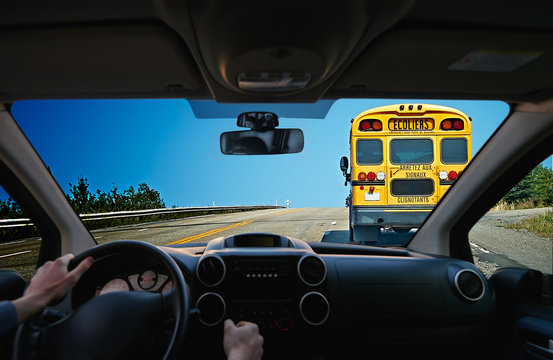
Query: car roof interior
[[201, 49]]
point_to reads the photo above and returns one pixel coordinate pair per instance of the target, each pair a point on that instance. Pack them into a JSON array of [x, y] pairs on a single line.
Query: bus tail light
[[452, 175], [371, 176], [380, 175], [370, 125], [365, 125], [362, 176], [452, 124]]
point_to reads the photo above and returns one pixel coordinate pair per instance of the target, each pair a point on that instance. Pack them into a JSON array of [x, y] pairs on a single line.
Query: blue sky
[[162, 143]]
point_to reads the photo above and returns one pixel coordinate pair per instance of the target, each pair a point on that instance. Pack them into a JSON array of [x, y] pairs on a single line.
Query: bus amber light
[[371, 176], [377, 125], [362, 176], [446, 125], [452, 175]]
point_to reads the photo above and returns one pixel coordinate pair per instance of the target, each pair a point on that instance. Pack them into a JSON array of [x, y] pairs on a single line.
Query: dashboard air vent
[[469, 285], [212, 308], [314, 308], [211, 270], [312, 270]]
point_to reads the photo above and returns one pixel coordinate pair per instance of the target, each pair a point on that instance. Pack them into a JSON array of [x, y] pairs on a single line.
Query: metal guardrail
[[13, 223]]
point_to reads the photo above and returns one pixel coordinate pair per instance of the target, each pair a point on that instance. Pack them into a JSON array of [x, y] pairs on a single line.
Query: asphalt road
[[493, 245], [309, 224]]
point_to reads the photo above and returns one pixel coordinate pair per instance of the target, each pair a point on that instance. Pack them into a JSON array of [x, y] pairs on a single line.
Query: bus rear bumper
[[383, 217]]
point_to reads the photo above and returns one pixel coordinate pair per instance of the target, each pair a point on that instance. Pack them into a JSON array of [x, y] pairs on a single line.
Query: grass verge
[[541, 225]]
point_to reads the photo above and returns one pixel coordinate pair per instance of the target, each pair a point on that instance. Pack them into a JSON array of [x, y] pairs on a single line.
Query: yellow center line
[[289, 211], [215, 231], [207, 233]]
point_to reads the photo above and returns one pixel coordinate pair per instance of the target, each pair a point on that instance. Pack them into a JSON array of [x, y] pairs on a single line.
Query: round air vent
[[312, 270], [211, 270], [314, 308], [469, 285], [212, 308]]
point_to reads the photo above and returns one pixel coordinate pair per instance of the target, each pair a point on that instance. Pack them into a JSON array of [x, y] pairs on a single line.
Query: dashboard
[[314, 299]]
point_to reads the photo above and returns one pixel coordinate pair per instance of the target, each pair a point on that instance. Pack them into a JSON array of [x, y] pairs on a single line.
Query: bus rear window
[[411, 151], [412, 187], [369, 152], [454, 151]]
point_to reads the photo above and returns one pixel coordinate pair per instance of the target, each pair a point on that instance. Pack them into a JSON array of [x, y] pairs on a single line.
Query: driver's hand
[[242, 341], [51, 281]]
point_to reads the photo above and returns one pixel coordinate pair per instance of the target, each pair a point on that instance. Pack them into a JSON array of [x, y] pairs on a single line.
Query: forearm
[[28, 305]]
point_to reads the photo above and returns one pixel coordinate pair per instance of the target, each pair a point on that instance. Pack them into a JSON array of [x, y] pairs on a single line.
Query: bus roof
[[412, 110]]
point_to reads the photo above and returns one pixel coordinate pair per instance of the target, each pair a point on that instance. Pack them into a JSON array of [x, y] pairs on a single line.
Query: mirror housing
[[344, 164], [268, 142]]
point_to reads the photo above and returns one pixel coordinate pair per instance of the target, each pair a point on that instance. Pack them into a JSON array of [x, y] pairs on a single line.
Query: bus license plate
[[372, 196]]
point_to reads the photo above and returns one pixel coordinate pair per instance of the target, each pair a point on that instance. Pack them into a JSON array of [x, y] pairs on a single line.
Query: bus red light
[[446, 125], [362, 176], [365, 125], [377, 125], [371, 176], [452, 175], [459, 125]]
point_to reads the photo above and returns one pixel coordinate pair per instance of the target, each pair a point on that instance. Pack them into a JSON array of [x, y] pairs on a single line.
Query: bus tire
[[366, 234]]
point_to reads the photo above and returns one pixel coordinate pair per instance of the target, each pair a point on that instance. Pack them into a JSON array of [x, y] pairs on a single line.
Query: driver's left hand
[[51, 282]]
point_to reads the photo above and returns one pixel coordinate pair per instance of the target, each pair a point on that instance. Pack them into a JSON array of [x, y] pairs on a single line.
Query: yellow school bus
[[403, 159]]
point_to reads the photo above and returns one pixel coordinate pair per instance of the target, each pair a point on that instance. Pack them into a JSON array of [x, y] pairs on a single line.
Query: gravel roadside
[[495, 246]]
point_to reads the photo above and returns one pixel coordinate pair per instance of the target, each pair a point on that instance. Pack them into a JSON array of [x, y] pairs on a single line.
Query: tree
[[84, 201], [536, 187], [146, 198], [80, 197], [9, 209]]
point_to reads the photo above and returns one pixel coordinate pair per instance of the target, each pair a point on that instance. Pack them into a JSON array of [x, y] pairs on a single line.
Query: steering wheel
[[113, 325]]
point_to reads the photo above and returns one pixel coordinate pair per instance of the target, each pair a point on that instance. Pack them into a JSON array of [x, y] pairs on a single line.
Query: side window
[[369, 152], [19, 239], [518, 230], [454, 151]]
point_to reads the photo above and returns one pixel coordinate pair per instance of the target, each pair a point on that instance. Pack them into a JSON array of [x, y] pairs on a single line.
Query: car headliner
[[196, 49]]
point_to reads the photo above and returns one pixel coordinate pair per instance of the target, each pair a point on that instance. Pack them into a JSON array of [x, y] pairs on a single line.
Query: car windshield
[[153, 170]]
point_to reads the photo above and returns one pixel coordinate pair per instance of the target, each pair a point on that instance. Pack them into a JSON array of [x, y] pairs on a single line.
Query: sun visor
[[506, 65]]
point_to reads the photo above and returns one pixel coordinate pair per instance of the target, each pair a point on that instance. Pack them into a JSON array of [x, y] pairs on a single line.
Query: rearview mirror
[[252, 142]]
